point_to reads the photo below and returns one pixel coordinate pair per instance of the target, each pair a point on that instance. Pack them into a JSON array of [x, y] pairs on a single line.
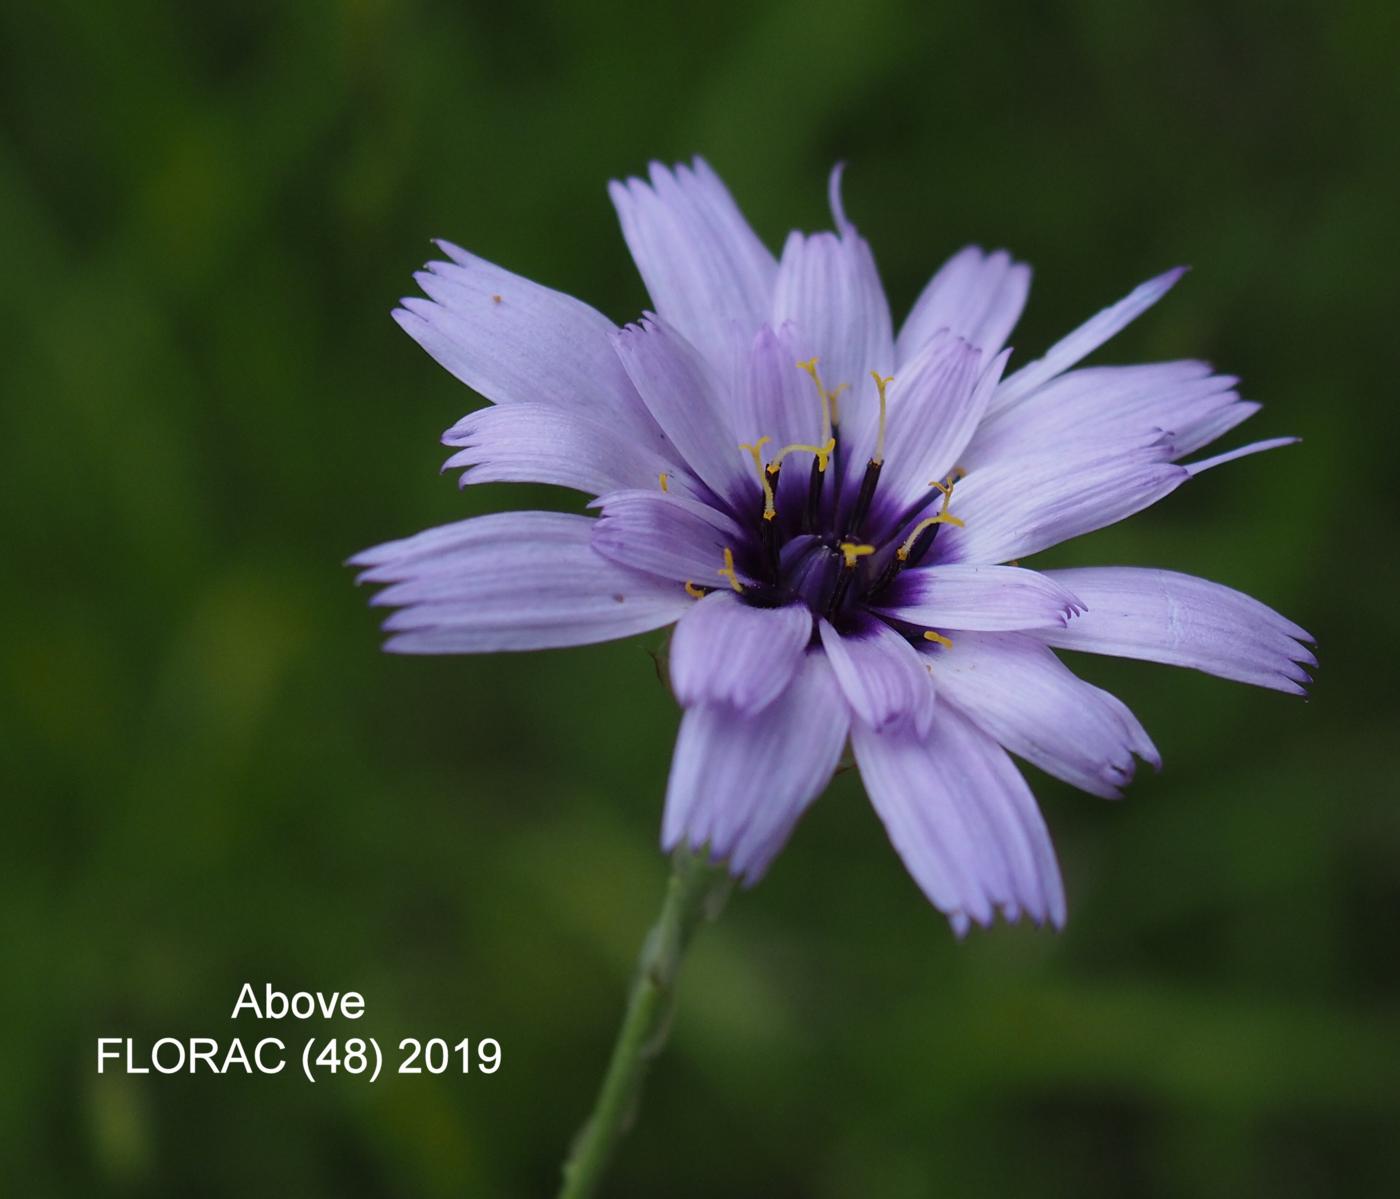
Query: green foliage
[[206, 212]]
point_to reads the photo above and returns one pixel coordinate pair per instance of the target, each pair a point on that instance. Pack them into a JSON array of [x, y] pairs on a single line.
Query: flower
[[832, 515]]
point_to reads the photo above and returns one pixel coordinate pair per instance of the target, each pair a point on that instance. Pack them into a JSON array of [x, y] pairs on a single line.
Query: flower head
[[832, 514]]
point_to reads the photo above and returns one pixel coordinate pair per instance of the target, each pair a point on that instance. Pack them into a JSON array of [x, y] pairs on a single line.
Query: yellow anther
[[881, 382], [930, 635], [693, 591], [823, 452], [727, 570], [756, 452], [665, 486], [830, 415], [853, 551]]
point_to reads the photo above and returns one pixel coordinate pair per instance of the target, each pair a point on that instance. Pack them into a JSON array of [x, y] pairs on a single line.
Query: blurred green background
[[213, 776]]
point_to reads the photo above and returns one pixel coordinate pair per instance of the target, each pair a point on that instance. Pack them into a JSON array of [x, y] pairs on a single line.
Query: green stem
[[696, 892]]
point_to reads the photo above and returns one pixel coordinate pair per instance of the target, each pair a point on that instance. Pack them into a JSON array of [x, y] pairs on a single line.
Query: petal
[[977, 296], [989, 598], [513, 340], [955, 796], [531, 442], [726, 651], [665, 534], [926, 826], [1085, 339], [1016, 508], [1015, 689], [686, 399], [740, 782], [511, 581], [1256, 447], [885, 680], [935, 403], [1163, 616], [1100, 403], [704, 268], [829, 288], [774, 398]]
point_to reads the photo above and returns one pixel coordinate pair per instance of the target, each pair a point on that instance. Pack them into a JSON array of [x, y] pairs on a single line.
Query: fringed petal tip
[[1293, 677], [1011, 913]]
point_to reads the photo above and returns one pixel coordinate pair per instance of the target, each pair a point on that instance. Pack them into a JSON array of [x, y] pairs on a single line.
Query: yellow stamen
[[930, 635], [881, 382], [693, 591], [944, 517], [665, 486], [727, 570], [852, 551], [830, 415], [756, 452], [823, 452]]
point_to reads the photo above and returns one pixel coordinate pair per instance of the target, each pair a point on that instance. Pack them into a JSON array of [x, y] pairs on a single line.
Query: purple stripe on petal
[[1184, 399], [976, 296], [829, 288], [704, 267], [885, 679], [529, 442], [993, 784], [512, 581], [773, 398], [739, 784], [926, 825], [725, 651], [1017, 508], [935, 403], [988, 598], [665, 534], [513, 340], [1163, 616], [687, 401], [1015, 689]]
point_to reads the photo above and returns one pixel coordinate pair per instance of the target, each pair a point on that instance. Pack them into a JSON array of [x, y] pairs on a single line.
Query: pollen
[[881, 382], [945, 642], [853, 551], [665, 483], [727, 571], [695, 592]]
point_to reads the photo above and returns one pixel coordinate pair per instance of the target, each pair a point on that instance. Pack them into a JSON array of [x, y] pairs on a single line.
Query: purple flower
[[832, 513]]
